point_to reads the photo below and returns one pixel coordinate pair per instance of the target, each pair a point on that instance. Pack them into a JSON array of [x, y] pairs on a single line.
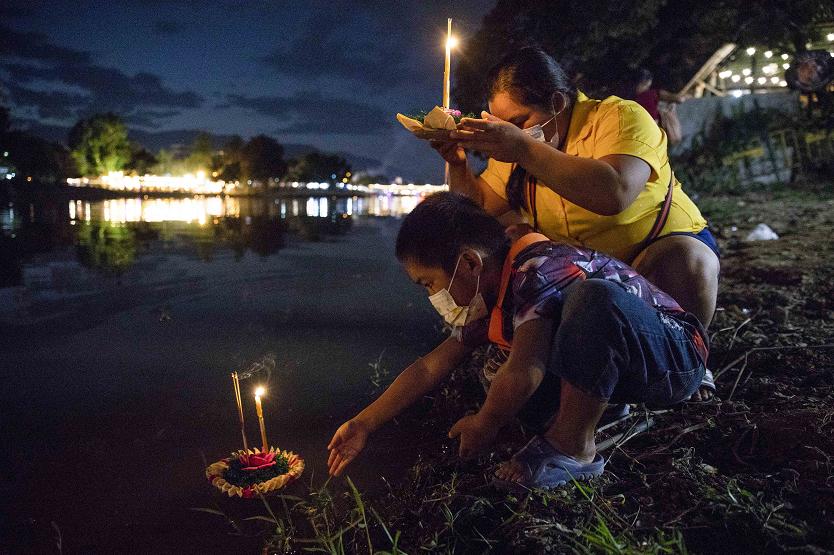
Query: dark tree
[[141, 159], [202, 150], [232, 156], [319, 167], [263, 159], [601, 43], [99, 144]]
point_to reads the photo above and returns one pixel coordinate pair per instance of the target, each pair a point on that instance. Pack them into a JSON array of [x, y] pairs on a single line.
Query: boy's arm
[[415, 381], [422, 376], [512, 386]]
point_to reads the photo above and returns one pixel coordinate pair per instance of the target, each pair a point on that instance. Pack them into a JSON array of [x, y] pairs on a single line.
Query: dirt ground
[[751, 472]]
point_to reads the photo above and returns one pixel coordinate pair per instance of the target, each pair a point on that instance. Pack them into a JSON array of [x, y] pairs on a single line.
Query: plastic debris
[[762, 232]]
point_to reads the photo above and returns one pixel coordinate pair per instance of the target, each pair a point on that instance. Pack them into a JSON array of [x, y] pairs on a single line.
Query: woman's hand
[[492, 136], [451, 151], [347, 442]]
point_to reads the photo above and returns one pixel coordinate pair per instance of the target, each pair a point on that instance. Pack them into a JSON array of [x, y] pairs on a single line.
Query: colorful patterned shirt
[[543, 271]]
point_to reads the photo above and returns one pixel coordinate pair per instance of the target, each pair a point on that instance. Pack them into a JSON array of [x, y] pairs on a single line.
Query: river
[[121, 320]]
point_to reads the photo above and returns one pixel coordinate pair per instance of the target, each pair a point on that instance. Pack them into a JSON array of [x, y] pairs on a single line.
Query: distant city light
[[748, 80], [830, 37], [768, 54], [761, 80], [736, 93], [774, 80], [783, 83], [746, 71], [736, 78], [784, 56], [724, 74], [751, 51], [786, 66]]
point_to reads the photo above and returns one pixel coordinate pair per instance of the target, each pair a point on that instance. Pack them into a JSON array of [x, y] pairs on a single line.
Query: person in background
[[650, 98]]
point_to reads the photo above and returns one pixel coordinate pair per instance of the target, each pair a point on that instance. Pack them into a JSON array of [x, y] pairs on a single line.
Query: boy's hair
[[444, 224]]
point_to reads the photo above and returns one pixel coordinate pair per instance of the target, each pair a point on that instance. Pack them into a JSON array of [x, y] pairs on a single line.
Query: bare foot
[[511, 471], [703, 394]]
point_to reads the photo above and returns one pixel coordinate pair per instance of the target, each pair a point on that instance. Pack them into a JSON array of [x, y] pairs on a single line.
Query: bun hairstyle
[[531, 77]]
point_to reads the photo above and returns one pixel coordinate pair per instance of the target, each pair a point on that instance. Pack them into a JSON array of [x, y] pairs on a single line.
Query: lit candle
[[258, 393], [236, 384], [447, 66]]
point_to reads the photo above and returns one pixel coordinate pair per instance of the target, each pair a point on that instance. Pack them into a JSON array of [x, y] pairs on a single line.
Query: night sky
[[324, 73]]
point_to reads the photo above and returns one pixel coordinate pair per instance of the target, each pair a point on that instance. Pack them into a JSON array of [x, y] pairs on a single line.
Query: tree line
[[601, 44], [100, 144]]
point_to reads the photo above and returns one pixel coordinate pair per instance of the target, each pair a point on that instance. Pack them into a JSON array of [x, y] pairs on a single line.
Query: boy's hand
[[475, 432], [347, 442]]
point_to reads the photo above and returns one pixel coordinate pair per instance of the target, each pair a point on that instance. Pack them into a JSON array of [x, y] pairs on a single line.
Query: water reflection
[[108, 236]]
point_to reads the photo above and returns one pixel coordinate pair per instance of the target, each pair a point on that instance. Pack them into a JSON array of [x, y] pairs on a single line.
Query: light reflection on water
[[108, 236]]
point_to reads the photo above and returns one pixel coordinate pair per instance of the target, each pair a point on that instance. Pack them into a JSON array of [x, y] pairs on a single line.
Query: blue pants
[[613, 346]]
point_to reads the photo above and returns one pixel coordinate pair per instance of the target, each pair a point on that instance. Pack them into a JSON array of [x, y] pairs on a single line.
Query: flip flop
[[708, 382], [548, 468]]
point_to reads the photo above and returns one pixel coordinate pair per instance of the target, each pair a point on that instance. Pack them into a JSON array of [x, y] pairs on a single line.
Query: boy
[[571, 330]]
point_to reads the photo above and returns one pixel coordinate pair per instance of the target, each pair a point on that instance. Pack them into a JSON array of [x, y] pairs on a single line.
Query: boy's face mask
[[454, 314]]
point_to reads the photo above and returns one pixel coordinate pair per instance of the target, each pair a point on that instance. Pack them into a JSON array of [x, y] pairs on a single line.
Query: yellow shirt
[[599, 128]]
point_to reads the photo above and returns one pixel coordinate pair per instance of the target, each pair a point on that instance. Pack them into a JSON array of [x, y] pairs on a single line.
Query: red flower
[[248, 493], [256, 461]]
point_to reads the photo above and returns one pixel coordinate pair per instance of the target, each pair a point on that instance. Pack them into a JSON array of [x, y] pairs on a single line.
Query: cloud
[[342, 42], [30, 63], [311, 112]]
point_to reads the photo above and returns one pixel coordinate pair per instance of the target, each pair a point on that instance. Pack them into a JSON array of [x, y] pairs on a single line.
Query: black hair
[[444, 224], [642, 75], [531, 77]]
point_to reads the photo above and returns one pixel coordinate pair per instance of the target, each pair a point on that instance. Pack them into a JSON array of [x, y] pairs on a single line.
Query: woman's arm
[[463, 181], [606, 186]]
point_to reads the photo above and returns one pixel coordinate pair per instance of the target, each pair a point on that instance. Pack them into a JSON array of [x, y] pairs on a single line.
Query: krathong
[[248, 473]]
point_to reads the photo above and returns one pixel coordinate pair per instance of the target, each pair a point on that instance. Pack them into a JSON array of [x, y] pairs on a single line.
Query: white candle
[[447, 66], [260, 411]]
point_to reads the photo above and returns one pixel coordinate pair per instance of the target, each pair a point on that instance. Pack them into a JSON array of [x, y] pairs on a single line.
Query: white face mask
[[537, 131], [454, 314]]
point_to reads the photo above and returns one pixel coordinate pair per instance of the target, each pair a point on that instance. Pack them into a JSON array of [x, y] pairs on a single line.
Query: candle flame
[[259, 392], [451, 42]]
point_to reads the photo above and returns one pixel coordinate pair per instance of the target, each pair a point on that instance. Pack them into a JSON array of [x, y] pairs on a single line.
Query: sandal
[[708, 382], [547, 467]]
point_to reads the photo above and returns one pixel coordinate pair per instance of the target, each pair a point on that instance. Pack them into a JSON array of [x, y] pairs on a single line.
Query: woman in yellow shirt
[[589, 172]]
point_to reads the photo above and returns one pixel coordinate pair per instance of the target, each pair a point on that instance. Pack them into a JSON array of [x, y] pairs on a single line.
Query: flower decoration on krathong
[[435, 124], [250, 472], [257, 461]]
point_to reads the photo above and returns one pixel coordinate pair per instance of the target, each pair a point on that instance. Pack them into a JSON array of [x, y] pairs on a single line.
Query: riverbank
[[750, 473]]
